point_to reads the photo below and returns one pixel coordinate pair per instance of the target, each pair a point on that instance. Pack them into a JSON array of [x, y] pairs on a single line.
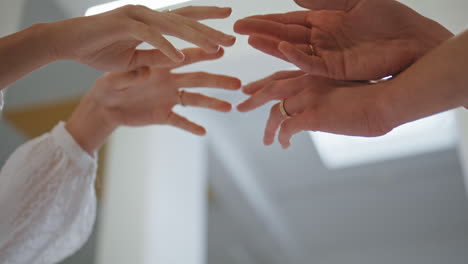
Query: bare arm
[[109, 41], [24, 52], [435, 83]]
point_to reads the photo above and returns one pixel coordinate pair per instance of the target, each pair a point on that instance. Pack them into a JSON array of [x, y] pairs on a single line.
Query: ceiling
[[276, 206]]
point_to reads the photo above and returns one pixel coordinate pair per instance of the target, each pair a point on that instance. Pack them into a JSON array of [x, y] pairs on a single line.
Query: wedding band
[[180, 94], [312, 50], [283, 109]]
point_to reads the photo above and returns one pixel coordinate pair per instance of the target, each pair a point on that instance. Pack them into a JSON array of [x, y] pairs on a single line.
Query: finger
[[174, 27], [275, 90], [270, 46], [212, 34], [144, 33], [294, 125], [185, 124], [203, 12], [295, 17], [274, 121], [298, 103], [200, 100], [291, 33], [253, 87], [152, 58], [166, 23], [194, 55], [313, 65], [206, 80]]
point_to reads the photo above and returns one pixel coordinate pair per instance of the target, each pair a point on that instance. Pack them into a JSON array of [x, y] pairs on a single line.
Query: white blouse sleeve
[[47, 200]]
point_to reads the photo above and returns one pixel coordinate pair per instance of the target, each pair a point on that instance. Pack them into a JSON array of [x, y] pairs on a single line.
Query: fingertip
[[226, 107], [228, 40], [267, 141], [238, 26], [201, 131], [242, 108], [247, 89], [220, 53], [252, 40], [178, 57], [212, 49], [227, 11], [237, 84]]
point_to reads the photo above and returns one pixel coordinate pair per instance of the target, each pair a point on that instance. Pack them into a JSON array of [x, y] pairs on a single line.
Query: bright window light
[[153, 4], [430, 134]]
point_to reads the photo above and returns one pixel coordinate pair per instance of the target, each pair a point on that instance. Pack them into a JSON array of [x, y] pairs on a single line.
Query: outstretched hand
[[346, 40], [109, 41], [145, 97], [318, 104]]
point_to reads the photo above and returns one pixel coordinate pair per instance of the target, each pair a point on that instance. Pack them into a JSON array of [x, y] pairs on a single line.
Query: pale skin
[[109, 41], [145, 97], [435, 83], [346, 39]]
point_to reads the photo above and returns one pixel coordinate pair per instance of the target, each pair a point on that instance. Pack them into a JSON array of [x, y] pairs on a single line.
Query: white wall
[[153, 210], [10, 16]]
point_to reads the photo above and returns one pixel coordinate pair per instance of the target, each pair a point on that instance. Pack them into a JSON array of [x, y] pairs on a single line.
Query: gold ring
[[283, 109], [312, 50], [180, 94]]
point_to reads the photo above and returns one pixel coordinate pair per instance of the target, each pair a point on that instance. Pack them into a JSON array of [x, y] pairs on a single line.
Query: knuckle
[[135, 9], [128, 9]]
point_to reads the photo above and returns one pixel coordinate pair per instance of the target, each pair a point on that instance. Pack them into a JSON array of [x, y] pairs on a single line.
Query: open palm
[[147, 95], [352, 40]]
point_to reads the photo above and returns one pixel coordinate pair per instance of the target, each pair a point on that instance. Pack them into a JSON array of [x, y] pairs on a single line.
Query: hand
[[318, 104], [145, 97], [109, 41], [327, 4], [358, 40]]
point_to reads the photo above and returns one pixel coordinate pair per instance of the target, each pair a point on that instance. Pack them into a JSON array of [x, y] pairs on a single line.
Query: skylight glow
[[430, 134], [153, 4]]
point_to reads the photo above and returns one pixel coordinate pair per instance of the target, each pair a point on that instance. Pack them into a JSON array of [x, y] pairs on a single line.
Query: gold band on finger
[[283, 109], [180, 95], [312, 50]]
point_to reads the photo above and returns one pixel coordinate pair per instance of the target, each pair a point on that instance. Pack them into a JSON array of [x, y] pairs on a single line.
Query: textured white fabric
[[47, 200]]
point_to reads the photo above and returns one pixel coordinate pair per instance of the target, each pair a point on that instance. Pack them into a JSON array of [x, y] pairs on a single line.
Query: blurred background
[[169, 197]]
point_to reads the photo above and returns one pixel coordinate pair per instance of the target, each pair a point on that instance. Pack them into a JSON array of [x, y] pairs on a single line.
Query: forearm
[[24, 52], [436, 83]]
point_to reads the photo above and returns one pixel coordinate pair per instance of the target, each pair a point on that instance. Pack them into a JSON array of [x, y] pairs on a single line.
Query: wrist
[[65, 41], [43, 38], [88, 125]]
